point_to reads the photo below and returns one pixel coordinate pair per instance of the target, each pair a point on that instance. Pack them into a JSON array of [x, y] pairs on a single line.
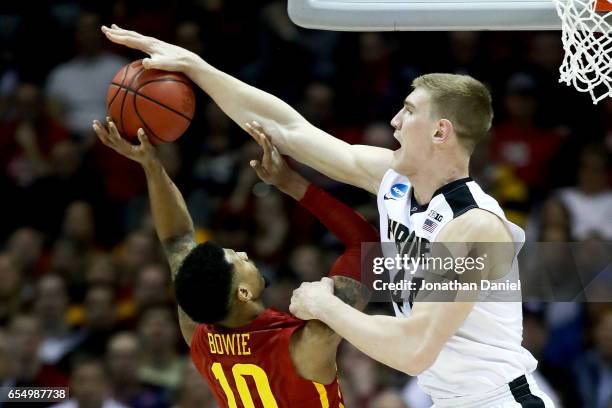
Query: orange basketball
[[160, 102]]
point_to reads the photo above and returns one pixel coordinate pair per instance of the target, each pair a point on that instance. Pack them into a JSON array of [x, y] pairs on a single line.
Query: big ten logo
[[435, 216]]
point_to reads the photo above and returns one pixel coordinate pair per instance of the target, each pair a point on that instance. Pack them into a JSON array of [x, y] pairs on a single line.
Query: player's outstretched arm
[[172, 220], [359, 165]]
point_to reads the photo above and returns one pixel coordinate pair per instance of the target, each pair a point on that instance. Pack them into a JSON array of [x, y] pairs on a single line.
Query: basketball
[[161, 103]]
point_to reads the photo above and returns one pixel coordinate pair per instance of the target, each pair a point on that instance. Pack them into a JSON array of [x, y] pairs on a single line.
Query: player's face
[[414, 128], [247, 274]]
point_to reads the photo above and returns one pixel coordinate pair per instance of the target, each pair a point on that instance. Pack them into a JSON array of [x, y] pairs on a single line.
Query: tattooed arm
[[172, 220], [174, 228]]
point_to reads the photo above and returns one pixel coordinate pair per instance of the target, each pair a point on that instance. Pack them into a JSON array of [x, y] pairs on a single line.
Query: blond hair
[[463, 100]]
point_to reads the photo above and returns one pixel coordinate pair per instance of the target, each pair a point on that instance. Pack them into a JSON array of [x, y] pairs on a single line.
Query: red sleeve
[[346, 224]]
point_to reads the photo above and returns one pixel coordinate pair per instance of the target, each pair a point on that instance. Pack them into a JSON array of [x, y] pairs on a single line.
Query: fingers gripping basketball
[[160, 102]]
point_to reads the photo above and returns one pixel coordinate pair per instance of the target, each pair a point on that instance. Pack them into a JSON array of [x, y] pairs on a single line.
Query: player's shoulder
[[475, 225], [272, 319]]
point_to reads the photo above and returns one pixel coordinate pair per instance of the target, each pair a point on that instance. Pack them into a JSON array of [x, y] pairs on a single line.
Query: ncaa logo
[[396, 192]]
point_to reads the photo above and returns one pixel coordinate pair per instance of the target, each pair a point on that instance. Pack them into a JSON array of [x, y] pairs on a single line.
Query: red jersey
[[251, 367]]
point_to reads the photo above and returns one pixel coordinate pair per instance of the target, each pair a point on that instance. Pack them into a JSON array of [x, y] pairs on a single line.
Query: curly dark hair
[[203, 283]]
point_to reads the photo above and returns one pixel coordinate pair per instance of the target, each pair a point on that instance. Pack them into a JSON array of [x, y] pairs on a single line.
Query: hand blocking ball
[[160, 102]]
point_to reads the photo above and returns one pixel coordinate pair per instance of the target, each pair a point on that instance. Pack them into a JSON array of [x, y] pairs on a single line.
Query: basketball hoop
[[587, 41]]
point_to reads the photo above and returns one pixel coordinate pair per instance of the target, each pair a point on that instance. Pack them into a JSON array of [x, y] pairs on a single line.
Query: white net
[[587, 40]]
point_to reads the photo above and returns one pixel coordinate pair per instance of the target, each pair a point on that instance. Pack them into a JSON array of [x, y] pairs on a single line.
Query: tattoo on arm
[[176, 249], [351, 292]]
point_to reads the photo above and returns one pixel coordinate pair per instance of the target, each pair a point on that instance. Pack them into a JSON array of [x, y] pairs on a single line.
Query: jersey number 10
[[240, 371]]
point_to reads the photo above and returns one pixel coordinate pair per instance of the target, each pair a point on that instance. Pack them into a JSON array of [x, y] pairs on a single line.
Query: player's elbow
[[419, 360]]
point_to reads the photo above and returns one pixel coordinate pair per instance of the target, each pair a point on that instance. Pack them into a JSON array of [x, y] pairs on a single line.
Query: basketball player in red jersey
[[251, 356]]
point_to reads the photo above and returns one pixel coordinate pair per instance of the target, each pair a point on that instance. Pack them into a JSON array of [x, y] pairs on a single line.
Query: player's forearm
[[170, 214], [294, 186], [244, 103], [398, 343]]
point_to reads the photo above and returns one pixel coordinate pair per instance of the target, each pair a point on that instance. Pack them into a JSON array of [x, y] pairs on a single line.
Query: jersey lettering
[[235, 344]]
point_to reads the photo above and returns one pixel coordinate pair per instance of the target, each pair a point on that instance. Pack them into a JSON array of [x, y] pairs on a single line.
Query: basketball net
[[587, 41]]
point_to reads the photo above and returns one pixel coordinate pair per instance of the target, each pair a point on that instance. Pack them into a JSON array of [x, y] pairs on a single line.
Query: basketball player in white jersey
[[466, 354]]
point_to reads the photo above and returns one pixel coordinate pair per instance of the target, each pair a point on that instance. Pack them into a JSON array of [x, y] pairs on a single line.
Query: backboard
[[424, 15]]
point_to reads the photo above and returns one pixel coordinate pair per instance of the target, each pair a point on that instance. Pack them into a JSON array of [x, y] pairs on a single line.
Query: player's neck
[[243, 315], [425, 183]]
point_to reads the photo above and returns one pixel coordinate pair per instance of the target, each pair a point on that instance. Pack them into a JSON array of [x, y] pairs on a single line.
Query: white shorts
[[521, 392]]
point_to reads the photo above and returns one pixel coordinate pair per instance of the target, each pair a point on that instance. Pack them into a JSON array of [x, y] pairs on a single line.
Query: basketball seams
[[125, 72], [143, 123], [125, 96], [127, 90], [188, 85]]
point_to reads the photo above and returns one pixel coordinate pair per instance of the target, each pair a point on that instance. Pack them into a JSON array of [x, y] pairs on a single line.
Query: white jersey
[[485, 353]]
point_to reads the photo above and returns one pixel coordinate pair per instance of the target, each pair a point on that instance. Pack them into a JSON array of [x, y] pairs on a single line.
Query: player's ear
[[244, 293], [443, 130]]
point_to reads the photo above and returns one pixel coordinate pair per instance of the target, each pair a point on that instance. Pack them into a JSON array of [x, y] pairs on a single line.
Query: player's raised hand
[[272, 168], [144, 153], [162, 55], [309, 296]]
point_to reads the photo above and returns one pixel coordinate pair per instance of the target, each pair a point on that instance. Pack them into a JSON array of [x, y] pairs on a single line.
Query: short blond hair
[[463, 100]]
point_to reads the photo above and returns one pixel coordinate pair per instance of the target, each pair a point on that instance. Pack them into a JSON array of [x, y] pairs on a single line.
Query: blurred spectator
[[535, 338], [306, 262], [100, 317], [216, 167], [79, 225], [271, 225], [189, 36], [25, 245], [123, 357], [25, 333], [605, 115], [555, 222], [590, 202], [68, 261], [8, 366], [28, 137], [594, 370], [151, 286], [194, 393], [370, 79], [360, 372], [139, 250], [465, 55], [77, 88], [101, 270], [518, 141], [89, 387], [10, 287], [50, 306], [162, 365]]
